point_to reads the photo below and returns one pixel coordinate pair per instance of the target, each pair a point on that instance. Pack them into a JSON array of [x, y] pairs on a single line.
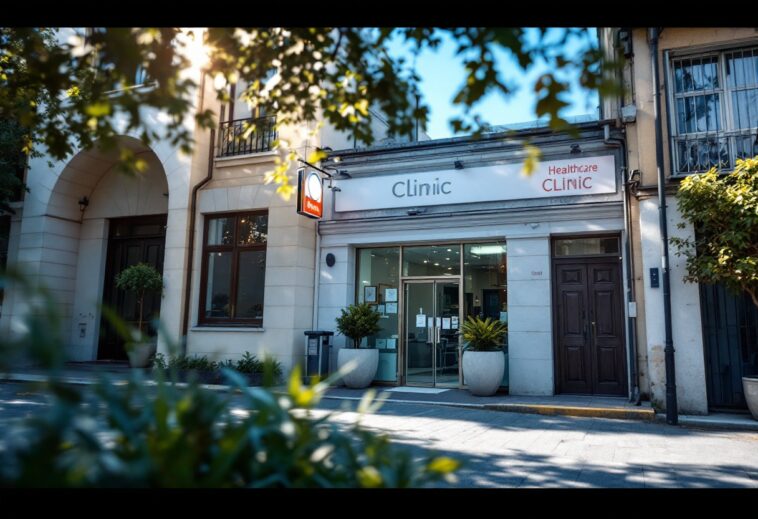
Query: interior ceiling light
[[488, 249]]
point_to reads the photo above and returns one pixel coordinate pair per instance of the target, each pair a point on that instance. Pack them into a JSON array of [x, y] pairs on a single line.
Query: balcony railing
[[244, 136]]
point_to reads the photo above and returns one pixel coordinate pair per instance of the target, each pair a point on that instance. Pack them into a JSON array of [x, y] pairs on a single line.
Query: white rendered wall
[[238, 185], [685, 316], [530, 339]]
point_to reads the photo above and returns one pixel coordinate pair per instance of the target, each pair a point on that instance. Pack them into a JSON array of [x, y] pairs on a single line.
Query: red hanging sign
[[310, 193]]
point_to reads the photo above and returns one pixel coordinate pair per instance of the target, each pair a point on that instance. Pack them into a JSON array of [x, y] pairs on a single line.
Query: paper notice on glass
[[420, 320], [391, 308], [438, 322], [454, 323], [430, 322], [390, 295], [391, 344], [445, 323]]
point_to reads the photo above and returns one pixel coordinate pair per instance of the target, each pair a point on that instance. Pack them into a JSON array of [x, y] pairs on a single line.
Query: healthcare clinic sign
[[310, 193], [566, 177]]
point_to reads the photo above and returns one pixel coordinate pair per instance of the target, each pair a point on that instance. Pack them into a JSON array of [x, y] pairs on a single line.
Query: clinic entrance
[[423, 293], [431, 333]]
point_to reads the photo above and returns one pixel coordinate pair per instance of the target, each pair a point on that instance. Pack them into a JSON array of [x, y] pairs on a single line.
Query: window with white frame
[[714, 105]]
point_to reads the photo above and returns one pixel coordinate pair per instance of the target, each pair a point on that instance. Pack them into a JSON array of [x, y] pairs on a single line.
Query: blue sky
[[442, 75]]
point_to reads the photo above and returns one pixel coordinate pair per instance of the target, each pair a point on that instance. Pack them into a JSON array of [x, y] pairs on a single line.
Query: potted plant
[[142, 279], [750, 387], [356, 322], [483, 359]]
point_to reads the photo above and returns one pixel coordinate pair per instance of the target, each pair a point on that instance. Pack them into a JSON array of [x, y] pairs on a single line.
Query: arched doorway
[[110, 220]]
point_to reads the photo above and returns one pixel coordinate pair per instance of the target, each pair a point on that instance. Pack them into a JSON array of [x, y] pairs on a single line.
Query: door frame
[[402, 346], [161, 219], [587, 260]]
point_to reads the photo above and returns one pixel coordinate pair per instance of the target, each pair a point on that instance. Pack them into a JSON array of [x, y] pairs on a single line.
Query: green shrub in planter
[[210, 371], [142, 279], [358, 321], [483, 335]]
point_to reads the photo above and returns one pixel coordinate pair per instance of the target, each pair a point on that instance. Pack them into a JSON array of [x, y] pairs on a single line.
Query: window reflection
[[378, 284], [484, 286]]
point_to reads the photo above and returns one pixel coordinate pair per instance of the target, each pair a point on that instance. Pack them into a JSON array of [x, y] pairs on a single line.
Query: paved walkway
[[570, 405], [518, 450]]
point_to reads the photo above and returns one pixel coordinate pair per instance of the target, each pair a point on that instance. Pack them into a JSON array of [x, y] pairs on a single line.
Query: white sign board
[[567, 177]]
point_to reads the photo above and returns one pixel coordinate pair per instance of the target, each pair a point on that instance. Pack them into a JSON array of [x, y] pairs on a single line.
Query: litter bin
[[317, 345]]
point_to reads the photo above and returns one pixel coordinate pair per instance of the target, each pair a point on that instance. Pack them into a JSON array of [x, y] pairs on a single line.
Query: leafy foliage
[[12, 160], [724, 212], [358, 321], [247, 364], [140, 278], [169, 435], [483, 335], [68, 95]]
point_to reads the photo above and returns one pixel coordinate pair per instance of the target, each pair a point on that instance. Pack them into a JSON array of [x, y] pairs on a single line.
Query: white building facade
[[434, 232]]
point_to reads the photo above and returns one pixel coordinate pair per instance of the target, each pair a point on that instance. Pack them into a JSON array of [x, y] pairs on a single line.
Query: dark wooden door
[[730, 333], [131, 241], [589, 328]]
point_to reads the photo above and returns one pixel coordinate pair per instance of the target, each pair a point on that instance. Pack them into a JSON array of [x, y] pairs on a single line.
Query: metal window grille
[[714, 105]]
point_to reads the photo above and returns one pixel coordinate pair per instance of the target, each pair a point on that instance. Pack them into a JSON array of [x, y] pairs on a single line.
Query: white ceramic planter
[[750, 387], [139, 353], [365, 362], [483, 371]]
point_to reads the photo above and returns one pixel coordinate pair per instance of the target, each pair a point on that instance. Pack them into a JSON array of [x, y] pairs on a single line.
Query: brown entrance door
[[131, 240], [589, 329]]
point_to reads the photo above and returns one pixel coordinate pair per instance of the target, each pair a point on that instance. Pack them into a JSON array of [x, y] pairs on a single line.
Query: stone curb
[[714, 422], [586, 412]]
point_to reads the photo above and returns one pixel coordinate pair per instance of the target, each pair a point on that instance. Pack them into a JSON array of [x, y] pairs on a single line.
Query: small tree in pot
[[483, 359], [142, 279], [356, 322]]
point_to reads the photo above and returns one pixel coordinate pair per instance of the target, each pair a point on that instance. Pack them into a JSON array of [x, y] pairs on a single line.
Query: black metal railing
[[244, 136]]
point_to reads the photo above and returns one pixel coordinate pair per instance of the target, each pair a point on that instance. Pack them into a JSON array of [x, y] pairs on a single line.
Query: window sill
[[244, 329]]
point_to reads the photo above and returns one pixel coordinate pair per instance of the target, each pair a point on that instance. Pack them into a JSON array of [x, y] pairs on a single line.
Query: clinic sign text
[[570, 177]]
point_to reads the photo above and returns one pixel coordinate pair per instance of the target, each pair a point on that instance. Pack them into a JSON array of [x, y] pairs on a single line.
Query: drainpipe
[[191, 241], [316, 275], [634, 395], [672, 413]]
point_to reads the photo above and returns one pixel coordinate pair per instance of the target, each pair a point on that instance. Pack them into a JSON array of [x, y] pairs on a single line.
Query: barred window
[[714, 104]]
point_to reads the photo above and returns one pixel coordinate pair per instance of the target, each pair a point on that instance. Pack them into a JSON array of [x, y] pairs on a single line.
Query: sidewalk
[[567, 405]]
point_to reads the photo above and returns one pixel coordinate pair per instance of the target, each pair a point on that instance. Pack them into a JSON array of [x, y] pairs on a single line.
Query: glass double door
[[431, 332]]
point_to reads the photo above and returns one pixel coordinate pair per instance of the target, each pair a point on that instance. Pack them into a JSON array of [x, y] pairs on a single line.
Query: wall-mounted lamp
[[83, 203], [458, 164], [575, 148]]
